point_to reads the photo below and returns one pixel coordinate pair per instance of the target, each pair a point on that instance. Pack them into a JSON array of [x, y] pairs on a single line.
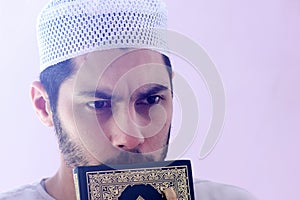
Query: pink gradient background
[[255, 46]]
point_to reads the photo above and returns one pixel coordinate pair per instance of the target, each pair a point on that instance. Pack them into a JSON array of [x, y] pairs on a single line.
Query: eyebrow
[[144, 93], [150, 90], [98, 94]]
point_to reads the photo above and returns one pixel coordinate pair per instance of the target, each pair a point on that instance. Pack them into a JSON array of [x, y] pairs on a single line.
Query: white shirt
[[204, 190]]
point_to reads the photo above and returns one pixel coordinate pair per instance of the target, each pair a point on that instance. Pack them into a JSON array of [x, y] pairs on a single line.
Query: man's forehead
[[105, 56], [100, 61], [121, 68]]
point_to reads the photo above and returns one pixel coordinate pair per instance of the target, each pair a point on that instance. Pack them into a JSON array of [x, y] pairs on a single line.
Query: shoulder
[[207, 190], [27, 192]]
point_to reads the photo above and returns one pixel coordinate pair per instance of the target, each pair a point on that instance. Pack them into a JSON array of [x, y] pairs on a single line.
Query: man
[[106, 88]]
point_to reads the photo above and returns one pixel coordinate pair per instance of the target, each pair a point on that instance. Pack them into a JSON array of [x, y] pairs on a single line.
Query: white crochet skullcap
[[69, 28]]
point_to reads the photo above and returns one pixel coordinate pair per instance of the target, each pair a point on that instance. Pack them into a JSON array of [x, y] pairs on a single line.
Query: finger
[[170, 194]]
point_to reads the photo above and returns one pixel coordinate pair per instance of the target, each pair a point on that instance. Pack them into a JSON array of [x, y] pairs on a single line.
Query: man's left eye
[[151, 100], [101, 104]]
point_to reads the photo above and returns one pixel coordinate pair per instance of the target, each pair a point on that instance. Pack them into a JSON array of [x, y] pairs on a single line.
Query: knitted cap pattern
[[69, 28]]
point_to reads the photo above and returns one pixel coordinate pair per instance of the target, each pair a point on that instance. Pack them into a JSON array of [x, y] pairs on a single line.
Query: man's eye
[[99, 104], [151, 100]]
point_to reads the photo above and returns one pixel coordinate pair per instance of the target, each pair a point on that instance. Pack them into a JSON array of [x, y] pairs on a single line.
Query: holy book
[[139, 181]]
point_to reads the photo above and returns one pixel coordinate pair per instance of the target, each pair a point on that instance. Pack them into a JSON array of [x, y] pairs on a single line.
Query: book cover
[[139, 181]]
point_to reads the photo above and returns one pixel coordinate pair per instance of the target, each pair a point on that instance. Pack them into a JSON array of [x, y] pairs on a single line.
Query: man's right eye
[[101, 104]]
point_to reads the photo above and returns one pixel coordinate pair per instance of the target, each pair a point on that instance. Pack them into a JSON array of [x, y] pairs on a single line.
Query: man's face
[[116, 108]]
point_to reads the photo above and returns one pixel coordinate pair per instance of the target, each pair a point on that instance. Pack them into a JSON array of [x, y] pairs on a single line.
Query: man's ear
[[41, 103]]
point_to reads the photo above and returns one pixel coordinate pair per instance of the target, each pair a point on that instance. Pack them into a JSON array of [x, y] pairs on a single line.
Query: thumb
[[170, 194]]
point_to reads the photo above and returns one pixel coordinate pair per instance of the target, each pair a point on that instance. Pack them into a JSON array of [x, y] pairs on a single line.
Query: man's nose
[[125, 132]]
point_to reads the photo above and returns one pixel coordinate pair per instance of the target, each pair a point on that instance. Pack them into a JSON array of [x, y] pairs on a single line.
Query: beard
[[74, 155]]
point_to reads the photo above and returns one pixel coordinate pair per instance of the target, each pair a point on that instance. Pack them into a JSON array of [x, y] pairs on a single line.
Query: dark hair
[[53, 76]]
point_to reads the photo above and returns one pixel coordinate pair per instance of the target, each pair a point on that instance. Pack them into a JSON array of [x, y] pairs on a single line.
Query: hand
[[170, 194]]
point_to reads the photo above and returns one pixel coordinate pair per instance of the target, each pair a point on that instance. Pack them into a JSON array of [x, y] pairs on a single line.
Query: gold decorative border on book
[[111, 183]]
